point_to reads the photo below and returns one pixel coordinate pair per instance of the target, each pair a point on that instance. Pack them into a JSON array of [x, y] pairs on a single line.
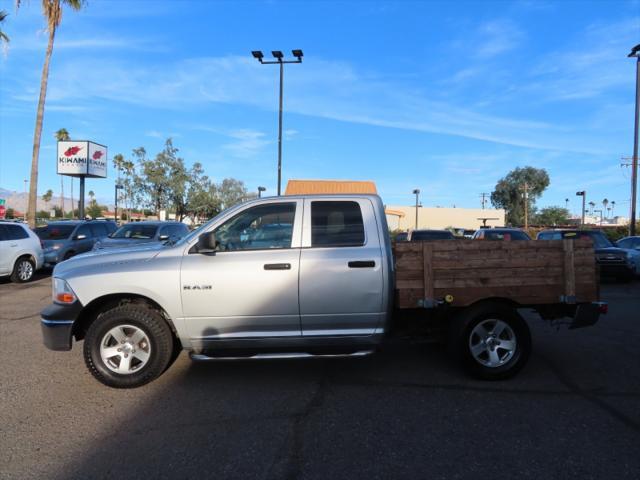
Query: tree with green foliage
[[43, 214], [52, 11], [47, 196], [94, 210], [552, 216], [509, 192], [10, 213]]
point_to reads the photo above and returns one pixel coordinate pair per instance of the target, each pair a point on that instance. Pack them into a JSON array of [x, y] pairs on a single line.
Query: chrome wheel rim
[[125, 349], [492, 343], [25, 270]]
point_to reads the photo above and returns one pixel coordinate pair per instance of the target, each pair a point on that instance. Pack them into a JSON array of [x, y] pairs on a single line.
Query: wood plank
[[569, 271], [427, 272]]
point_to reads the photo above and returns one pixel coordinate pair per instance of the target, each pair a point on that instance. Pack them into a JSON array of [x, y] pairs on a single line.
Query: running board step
[[199, 357]]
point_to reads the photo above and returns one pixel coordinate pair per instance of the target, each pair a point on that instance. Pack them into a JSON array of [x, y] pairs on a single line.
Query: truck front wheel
[[491, 340], [128, 346]]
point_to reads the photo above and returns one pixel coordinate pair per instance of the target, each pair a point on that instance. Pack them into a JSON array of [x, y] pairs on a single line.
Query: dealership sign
[[82, 159]]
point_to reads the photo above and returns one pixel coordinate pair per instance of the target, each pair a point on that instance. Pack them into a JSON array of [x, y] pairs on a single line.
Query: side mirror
[[207, 243], [163, 237], [81, 236]]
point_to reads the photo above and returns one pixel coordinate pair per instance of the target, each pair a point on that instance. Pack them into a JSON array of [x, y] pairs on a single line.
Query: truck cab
[[289, 276]]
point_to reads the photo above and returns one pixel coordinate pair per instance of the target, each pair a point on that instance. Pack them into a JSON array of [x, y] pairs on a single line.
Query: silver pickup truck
[[282, 277]]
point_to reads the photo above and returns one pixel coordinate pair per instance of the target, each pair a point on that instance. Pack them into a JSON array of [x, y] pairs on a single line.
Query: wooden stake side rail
[[462, 272]]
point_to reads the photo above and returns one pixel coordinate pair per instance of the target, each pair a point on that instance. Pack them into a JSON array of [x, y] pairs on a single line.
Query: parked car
[[506, 234], [319, 281], [20, 252], [143, 233], [65, 238], [629, 243], [615, 262], [430, 235]]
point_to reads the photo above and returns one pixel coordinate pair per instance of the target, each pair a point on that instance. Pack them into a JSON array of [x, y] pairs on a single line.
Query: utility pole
[[484, 195], [416, 192], [635, 52]]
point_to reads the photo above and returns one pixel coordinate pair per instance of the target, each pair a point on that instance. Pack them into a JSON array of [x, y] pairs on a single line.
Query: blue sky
[[443, 96]]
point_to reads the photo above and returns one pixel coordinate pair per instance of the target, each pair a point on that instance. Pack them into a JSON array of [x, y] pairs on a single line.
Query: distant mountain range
[[19, 201]]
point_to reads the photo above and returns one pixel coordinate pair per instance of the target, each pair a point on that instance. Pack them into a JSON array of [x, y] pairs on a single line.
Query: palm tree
[[92, 196], [52, 11], [62, 135], [605, 202], [3, 36], [592, 205], [613, 206]]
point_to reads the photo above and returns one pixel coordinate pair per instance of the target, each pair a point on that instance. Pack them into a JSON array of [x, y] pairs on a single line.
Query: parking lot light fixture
[[280, 61], [582, 194], [260, 190]]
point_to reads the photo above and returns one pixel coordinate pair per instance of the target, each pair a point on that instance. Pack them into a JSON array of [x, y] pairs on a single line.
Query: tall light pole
[[260, 190], [118, 187], [635, 52], [416, 192], [25, 192], [279, 60], [582, 194]]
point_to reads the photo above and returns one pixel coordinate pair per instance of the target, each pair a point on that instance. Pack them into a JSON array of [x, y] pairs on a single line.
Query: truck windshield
[[55, 232]]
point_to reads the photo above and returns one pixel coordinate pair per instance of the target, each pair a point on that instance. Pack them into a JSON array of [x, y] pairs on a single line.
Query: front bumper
[[57, 325], [51, 257]]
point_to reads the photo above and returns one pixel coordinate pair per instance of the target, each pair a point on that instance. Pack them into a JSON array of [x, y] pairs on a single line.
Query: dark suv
[[66, 238], [613, 261], [505, 234]]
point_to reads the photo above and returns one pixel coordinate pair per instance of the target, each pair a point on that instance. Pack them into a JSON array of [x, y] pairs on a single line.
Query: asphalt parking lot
[[406, 412]]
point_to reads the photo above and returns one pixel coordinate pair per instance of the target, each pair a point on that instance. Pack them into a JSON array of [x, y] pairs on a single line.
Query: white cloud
[[497, 37]]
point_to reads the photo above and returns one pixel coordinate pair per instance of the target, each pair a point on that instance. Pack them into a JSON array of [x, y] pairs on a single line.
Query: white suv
[[20, 252]]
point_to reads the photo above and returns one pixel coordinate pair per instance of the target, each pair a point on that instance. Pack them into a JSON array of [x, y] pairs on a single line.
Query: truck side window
[[336, 224], [258, 228]]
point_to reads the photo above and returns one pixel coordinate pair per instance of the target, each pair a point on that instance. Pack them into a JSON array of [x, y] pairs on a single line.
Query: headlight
[[62, 292]]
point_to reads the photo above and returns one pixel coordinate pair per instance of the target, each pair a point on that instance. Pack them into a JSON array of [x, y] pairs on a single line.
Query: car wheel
[[128, 346], [491, 340], [23, 270]]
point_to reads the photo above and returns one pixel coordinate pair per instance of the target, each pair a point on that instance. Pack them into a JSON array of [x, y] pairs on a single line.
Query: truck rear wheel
[[491, 340], [128, 346]]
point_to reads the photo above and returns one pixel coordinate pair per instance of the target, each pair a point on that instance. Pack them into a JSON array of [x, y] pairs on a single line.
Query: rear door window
[[15, 232], [336, 224]]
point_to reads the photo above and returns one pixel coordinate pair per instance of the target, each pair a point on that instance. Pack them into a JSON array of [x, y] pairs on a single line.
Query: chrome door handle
[[13, 245], [362, 264], [277, 266]]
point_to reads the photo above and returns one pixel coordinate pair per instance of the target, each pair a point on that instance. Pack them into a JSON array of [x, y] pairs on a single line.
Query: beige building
[[404, 218]]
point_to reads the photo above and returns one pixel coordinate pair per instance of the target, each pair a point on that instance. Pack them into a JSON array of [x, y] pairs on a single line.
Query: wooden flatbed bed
[[463, 272]]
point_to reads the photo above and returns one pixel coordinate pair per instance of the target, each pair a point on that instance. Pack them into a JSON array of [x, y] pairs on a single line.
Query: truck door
[[341, 271], [249, 287]]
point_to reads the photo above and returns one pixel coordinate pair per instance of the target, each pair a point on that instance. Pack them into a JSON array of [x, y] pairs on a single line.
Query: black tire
[[23, 270], [462, 337], [152, 324]]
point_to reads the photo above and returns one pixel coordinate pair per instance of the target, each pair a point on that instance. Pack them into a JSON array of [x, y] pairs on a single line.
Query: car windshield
[[136, 231], [431, 235], [505, 235], [55, 232]]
